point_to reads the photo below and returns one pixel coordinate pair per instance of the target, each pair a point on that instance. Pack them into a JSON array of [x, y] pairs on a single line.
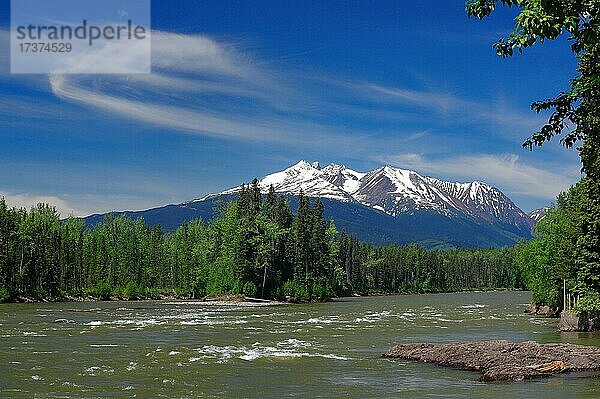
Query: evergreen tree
[[302, 241], [9, 241], [271, 205]]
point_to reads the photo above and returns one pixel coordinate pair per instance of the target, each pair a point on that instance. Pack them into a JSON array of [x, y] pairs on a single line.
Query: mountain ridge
[[384, 206], [393, 191]]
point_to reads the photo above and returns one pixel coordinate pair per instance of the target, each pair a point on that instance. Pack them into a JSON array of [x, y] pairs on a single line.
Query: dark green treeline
[[257, 247]]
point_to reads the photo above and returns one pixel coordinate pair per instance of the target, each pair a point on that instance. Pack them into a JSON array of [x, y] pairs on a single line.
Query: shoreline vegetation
[[230, 299], [257, 247], [563, 261], [224, 299], [561, 283]]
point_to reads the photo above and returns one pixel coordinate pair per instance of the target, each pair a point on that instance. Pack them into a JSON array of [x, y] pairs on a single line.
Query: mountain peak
[[302, 164], [334, 166], [395, 191]]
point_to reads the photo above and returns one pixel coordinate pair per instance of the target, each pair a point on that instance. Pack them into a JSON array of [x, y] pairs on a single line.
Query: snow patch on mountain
[[393, 191], [538, 214]]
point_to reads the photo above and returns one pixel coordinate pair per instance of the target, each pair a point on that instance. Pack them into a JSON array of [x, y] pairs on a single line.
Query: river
[[179, 349]]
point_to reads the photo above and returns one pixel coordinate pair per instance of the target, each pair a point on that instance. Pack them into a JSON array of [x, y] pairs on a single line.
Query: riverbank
[[239, 300], [229, 298], [503, 360]]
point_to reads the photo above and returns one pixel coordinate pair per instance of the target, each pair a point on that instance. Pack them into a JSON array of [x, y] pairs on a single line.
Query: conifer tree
[[302, 231]]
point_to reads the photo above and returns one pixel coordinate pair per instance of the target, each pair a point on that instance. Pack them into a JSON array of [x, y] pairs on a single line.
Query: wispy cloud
[[208, 87], [462, 110], [204, 86], [200, 86], [179, 118], [219, 88]]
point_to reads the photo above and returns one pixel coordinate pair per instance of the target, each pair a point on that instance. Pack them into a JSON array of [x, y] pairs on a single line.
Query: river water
[[179, 349]]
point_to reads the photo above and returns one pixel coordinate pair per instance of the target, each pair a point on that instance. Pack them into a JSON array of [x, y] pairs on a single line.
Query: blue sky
[[242, 89]]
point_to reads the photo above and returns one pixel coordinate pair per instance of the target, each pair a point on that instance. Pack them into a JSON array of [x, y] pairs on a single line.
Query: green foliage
[[321, 290], [41, 293], [539, 21], [132, 291], [102, 290], [223, 281], [249, 289], [153, 293], [295, 290], [537, 273], [4, 294], [549, 259], [199, 286], [589, 303], [426, 286]]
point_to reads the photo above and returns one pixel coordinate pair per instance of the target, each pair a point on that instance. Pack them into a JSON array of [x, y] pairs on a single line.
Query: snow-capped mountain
[[394, 191], [538, 214], [384, 206], [305, 177]]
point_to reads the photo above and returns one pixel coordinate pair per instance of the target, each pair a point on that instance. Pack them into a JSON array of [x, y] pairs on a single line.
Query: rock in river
[[503, 360]]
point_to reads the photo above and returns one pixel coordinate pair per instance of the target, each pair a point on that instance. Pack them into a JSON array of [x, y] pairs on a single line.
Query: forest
[[554, 264], [257, 247]]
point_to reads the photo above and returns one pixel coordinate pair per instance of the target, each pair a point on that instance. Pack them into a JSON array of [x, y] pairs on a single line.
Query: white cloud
[[180, 118], [198, 53], [437, 100], [202, 86], [86, 204], [198, 85], [23, 200]]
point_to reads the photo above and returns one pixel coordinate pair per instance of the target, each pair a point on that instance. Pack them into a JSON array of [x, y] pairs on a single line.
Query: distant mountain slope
[[538, 214], [169, 217], [426, 228], [385, 205]]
